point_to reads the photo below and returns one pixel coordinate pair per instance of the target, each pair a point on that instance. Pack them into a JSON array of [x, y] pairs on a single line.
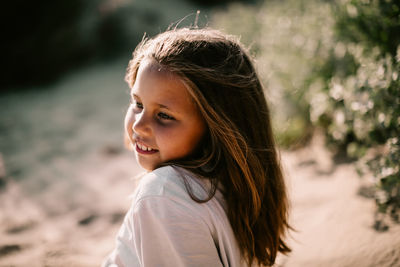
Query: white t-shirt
[[165, 227]]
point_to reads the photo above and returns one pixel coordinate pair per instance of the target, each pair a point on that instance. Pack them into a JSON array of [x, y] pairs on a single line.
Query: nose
[[141, 125]]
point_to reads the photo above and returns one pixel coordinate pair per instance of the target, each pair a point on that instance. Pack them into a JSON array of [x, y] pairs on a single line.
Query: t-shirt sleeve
[[168, 233]]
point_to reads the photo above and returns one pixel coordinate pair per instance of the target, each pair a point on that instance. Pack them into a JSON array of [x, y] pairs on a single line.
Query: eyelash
[[160, 115], [164, 116], [137, 104]]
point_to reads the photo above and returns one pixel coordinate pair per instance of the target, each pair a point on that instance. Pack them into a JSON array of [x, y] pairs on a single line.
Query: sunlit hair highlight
[[238, 152]]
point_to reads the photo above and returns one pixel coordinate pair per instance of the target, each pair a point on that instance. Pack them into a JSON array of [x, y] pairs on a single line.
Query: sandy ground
[[67, 186], [333, 221]]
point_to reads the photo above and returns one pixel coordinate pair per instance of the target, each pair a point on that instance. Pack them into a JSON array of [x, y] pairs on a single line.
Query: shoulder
[[169, 183]]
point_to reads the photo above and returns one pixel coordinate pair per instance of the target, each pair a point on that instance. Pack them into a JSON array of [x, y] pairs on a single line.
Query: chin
[[146, 164]]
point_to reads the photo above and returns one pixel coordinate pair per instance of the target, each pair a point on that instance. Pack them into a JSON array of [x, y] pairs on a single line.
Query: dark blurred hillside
[[44, 39]]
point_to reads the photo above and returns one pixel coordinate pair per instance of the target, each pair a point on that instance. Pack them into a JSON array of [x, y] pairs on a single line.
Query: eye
[[136, 104], [164, 116]]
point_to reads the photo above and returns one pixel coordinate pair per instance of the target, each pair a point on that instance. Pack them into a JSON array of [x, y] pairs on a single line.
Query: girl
[[214, 194]]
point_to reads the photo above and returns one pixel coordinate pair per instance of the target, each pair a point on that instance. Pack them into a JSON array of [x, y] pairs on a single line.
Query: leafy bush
[[361, 91]]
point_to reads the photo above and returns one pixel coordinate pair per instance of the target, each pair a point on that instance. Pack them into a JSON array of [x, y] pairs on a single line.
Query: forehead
[[150, 65]]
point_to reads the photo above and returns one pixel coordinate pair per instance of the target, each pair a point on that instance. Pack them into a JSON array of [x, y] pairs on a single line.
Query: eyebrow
[[160, 105]]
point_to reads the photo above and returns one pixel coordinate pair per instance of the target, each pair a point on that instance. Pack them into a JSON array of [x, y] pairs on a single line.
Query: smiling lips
[[140, 148]]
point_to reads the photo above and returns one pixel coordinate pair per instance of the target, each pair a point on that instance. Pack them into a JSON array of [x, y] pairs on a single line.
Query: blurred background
[[331, 73]]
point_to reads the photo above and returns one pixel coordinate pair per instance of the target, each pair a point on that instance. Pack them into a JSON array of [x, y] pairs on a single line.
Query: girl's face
[[162, 122]]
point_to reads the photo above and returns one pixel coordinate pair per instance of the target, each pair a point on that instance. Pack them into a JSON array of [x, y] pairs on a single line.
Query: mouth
[[143, 149]]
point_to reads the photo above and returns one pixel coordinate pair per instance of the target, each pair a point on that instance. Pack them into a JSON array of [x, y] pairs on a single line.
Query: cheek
[[178, 142], [129, 120], [167, 140], [164, 134]]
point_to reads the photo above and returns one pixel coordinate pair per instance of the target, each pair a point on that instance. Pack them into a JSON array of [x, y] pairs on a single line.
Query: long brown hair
[[238, 150]]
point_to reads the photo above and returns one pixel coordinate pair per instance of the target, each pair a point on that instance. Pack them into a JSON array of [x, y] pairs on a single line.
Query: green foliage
[[361, 91], [374, 23], [333, 65]]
